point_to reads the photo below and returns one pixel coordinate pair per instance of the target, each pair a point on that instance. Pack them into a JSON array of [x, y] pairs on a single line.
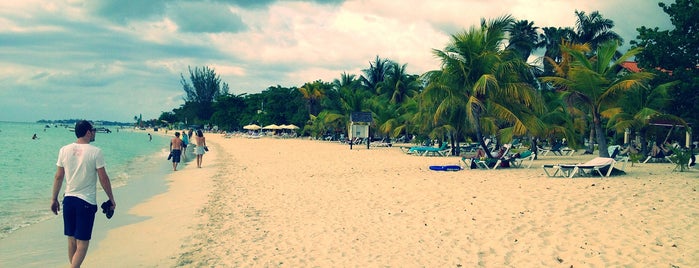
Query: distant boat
[[103, 130], [99, 130]]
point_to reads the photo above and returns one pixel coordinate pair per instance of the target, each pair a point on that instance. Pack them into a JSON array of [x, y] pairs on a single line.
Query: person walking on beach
[[81, 164], [201, 147], [185, 142], [175, 150]]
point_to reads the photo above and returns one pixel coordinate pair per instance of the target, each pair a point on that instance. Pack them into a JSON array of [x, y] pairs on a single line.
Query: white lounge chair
[[518, 161], [596, 165]]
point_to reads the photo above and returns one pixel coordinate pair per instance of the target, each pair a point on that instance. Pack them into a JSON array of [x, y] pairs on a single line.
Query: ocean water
[[27, 166]]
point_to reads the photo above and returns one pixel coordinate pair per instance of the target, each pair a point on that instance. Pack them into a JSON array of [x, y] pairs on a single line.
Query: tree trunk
[[479, 135], [591, 140], [601, 137]]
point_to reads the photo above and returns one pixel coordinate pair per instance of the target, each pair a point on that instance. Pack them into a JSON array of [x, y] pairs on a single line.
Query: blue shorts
[[78, 217], [176, 155]]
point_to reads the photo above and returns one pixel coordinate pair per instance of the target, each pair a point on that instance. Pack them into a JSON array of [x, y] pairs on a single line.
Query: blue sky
[[114, 59]]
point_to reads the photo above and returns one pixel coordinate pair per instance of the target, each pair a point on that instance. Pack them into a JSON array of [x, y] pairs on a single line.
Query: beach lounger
[[568, 151], [428, 150], [597, 165], [564, 170], [487, 163], [437, 152], [479, 163], [664, 158], [522, 157]]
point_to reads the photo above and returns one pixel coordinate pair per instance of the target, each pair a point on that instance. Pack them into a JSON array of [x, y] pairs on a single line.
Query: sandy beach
[[299, 203]]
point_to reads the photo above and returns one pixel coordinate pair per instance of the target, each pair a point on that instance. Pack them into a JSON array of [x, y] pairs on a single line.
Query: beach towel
[[446, 168]]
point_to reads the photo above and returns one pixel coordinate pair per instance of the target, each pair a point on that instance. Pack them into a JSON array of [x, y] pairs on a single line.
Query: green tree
[[167, 117], [673, 54], [375, 74], [595, 84], [398, 85], [204, 88], [227, 112], [524, 38], [594, 29], [554, 37], [345, 96], [313, 93], [639, 107], [480, 84]]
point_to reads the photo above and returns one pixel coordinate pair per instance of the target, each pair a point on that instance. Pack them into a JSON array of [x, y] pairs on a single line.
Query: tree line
[[581, 89]]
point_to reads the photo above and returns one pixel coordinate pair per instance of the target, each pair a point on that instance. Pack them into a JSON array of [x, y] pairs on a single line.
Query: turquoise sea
[[27, 167]]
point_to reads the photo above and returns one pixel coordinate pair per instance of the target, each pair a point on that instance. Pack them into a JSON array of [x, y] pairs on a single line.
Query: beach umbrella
[[251, 127], [272, 126], [292, 126]]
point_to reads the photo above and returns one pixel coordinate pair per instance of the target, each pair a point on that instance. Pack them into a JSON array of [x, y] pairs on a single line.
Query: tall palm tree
[[351, 97], [560, 66], [398, 85], [524, 38], [375, 74], [480, 83], [594, 83], [553, 38], [594, 29], [313, 93]]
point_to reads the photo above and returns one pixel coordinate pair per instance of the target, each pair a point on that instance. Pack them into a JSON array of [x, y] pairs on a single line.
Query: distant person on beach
[[201, 147], [175, 150], [81, 164], [150, 137], [34, 137], [185, 142], [629, 150]]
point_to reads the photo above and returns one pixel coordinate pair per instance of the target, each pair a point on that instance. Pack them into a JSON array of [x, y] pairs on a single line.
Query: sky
[[116, 59]]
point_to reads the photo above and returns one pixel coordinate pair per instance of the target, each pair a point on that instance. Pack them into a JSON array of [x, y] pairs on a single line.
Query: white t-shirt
[[80, 162]]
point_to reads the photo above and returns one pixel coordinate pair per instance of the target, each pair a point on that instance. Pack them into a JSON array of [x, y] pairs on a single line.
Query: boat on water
[[99, 129]]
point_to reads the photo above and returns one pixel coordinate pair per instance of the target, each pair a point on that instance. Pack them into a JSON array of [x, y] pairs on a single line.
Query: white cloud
[[125, 58]]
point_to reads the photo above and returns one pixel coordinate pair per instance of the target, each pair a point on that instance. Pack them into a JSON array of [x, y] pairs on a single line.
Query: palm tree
[[639, 108], [553, 38], [407, 122], [524, 38], [313, 93], [398, 85], [561, 120], [480, 84], [590, 29], [594, 83], [375, 74], [594, 29]]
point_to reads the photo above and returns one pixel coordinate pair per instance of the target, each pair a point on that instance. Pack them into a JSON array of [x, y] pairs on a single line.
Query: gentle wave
[[28, 166]]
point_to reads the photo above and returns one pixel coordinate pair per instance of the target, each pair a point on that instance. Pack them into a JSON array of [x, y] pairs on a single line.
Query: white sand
[[298, 203]]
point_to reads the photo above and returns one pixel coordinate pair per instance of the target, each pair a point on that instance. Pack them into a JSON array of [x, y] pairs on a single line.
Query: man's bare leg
[[77, 250], [72, 246]]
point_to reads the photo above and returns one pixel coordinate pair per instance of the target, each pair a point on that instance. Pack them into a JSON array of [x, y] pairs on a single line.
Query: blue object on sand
[[446, 168]]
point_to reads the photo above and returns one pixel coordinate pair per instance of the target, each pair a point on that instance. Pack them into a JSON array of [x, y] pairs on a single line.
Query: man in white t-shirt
[[81, 164]]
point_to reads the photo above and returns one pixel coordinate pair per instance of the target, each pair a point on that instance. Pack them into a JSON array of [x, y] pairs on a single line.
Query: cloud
[[122, 11], [214, 18], [113, 59]]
